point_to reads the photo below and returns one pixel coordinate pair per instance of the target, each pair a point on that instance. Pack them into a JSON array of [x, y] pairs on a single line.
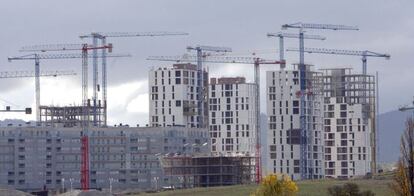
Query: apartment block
[[295, 132], [349, 123], [232, 116], [34, 157], [174, 96]]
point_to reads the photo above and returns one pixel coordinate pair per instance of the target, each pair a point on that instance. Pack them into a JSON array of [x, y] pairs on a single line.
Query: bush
[[348, 189], [274, 185]]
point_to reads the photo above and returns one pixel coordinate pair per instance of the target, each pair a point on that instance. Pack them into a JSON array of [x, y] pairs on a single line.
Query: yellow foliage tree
[[276, 185], [403, 184]]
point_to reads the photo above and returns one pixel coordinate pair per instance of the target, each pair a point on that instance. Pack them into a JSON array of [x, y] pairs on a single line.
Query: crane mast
[[305, 167], [234, 60], [102, 36]]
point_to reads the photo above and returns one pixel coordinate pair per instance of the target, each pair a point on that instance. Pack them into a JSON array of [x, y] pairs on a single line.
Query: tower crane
[[102, 36], [30, 74], [201, 88], [37, 57], [305, 171], [282, 35], [363, 53], [85, 117], [234, 60]]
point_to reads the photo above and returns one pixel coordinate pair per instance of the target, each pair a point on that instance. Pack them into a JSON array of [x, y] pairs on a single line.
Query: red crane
[[85, 110]]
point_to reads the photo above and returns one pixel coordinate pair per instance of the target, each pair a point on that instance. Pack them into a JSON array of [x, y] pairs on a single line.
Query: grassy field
[[317, 188]]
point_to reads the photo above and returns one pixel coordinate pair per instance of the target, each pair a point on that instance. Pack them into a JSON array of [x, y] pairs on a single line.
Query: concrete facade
[[33, 157], [174, 96], [349, 123], [232, 115], [285, 137]]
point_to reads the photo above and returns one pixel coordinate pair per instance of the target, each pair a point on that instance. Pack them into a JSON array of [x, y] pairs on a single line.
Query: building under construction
[[207, 171], [349, 123], [72, 116]]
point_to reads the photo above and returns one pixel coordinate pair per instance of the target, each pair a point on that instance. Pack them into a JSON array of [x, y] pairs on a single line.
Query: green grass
[[308, 188], [320, 187]]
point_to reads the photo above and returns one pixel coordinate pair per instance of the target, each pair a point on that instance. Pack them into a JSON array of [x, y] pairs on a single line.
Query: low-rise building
[[34, 157]]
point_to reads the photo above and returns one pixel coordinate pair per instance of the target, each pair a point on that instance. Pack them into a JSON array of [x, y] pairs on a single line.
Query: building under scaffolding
[[72, 116], [207, 171]]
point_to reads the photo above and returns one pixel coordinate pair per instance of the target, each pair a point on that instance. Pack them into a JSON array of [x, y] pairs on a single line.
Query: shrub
[[274, 185], [348, 189]]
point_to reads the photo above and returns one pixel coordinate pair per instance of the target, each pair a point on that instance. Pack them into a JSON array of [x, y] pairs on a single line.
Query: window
[[178, 103], [295, 110], [295, 103]]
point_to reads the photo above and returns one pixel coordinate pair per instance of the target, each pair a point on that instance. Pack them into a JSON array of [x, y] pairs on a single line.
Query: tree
[[274, 185], [404, 178]]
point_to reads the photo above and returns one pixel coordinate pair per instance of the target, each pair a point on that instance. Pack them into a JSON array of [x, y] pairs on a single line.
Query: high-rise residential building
[[174, 97], [349, 123], [295, 132], [232, 116]]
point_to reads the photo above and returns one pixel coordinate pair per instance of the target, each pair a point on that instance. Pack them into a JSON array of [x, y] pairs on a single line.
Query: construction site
[[320, 122], [207, 170]]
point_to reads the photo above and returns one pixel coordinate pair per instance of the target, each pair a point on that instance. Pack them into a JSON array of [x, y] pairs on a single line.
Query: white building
[[232, 114], [174, 98], [294, 149], [349, 123]]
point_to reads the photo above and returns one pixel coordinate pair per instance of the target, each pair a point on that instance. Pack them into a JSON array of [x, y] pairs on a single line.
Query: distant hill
[[391, 126], [15, 123]]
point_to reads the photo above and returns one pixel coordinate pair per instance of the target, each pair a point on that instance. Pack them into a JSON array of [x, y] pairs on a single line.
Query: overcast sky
[[386, 26]]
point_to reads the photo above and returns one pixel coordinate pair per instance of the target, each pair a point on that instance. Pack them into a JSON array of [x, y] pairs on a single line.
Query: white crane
[[363, 53], [102, 36], [282, 35], [37, 57]]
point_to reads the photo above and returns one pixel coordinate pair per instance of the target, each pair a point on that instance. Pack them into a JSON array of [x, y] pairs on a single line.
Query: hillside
[[391, 126]]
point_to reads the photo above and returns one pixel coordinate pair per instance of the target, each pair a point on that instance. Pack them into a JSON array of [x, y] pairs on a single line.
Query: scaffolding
[[207, 171], [71, 116]]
